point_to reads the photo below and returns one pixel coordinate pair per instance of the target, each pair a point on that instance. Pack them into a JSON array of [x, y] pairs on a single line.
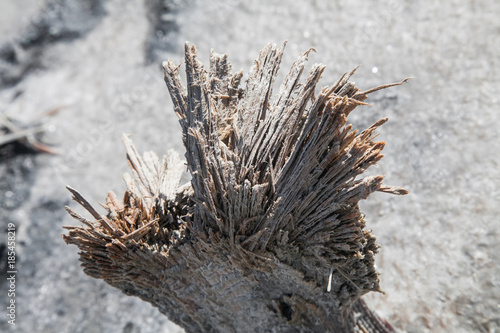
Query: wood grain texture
[[270, 217]]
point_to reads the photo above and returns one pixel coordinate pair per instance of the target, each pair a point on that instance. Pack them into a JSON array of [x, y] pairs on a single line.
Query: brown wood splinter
[[268, 235]]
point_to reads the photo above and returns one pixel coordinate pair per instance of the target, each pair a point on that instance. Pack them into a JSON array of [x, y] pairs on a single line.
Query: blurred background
[[89, 70]]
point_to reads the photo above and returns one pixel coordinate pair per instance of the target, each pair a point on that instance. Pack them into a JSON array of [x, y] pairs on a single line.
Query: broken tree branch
[[268, 235]]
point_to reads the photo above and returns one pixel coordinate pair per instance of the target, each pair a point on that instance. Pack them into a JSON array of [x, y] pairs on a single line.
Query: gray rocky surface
[[99, 60]]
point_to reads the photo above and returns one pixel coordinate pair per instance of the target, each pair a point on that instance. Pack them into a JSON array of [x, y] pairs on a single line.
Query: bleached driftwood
[[268, 235]]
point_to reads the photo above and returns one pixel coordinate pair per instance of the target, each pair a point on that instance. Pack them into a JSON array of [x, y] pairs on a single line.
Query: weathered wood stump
[[268, 235]]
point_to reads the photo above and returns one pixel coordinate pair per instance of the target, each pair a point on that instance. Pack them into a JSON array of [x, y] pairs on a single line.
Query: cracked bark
[[268, 235]]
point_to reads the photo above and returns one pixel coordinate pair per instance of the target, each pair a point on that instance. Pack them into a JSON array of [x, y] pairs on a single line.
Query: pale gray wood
[[268, 235]]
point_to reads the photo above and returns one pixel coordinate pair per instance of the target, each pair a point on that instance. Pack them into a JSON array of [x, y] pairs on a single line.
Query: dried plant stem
[[268, 235], [13, 131]]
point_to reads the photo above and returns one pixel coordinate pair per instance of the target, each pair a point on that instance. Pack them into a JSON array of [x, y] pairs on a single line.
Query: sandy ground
[[440, 254]]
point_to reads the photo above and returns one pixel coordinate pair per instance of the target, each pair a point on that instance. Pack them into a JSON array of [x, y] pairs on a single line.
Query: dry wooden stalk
[[26, 134], [268, 235]]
